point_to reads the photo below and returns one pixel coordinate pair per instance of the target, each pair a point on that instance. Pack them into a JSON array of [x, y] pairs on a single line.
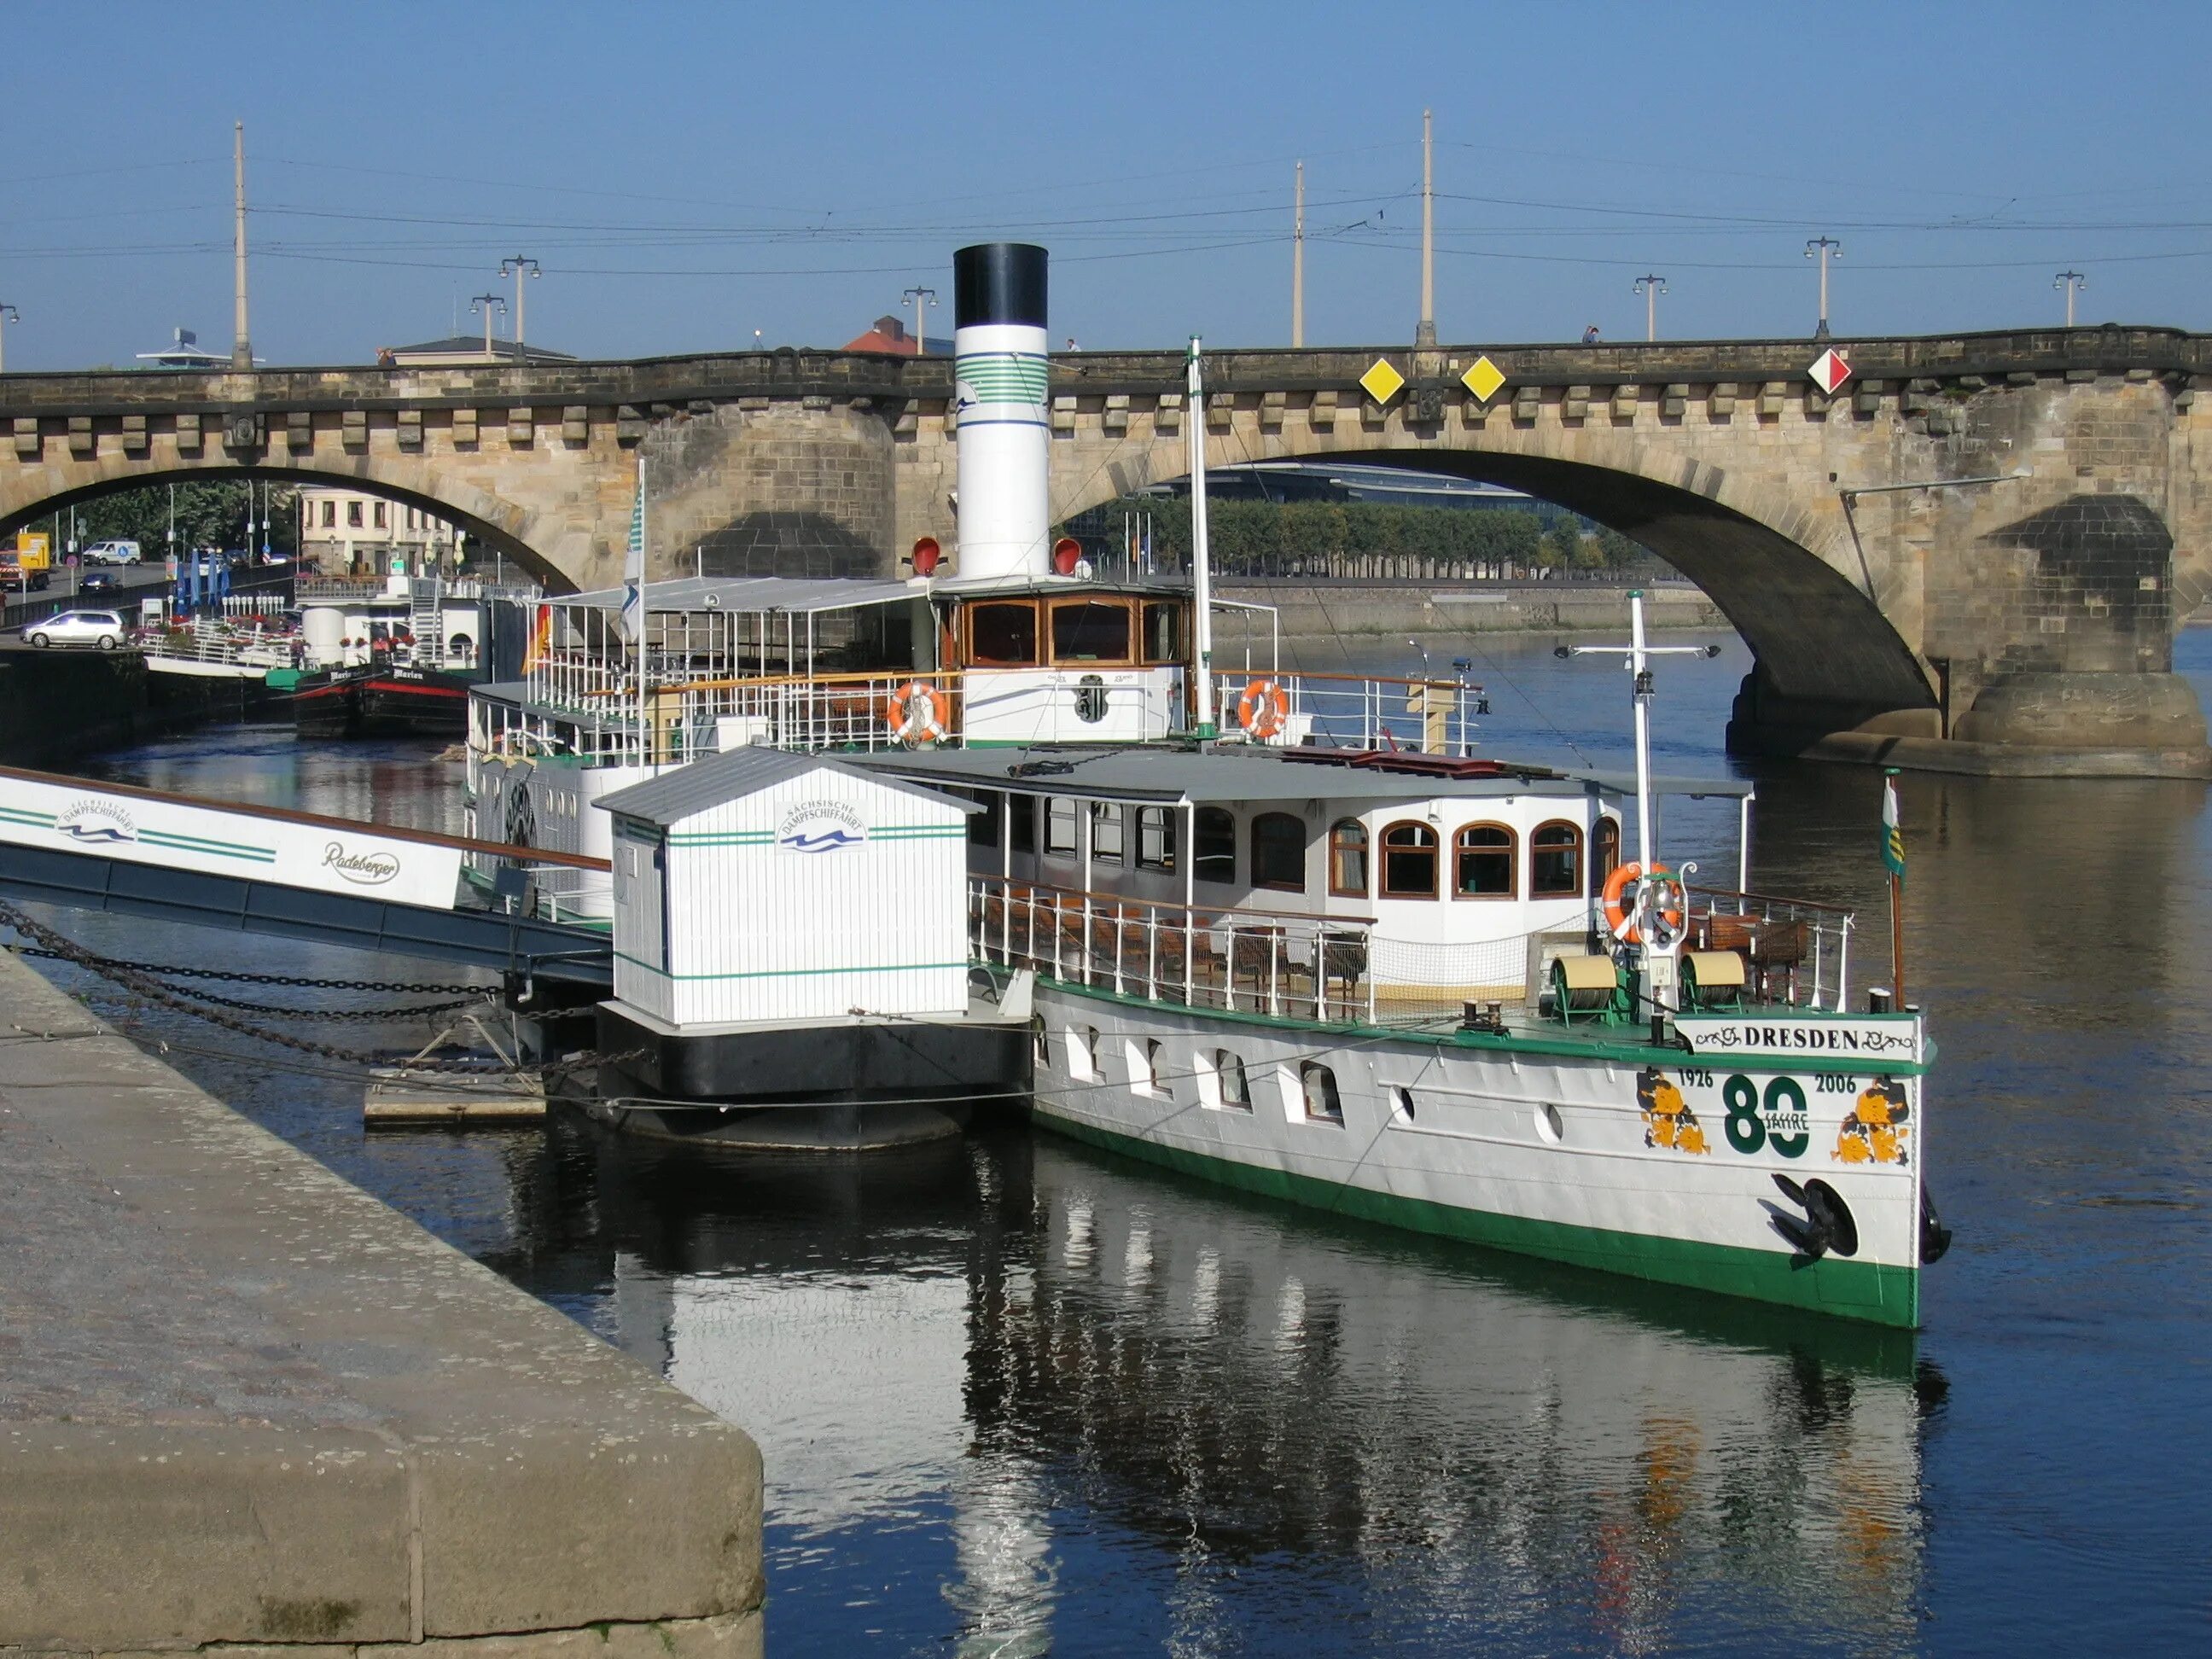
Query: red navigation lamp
[[1066, 552], [927, 556]]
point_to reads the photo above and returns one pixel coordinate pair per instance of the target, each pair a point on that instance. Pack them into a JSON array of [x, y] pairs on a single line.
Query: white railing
[[1336, 970], [204, 640], [1348, 711]]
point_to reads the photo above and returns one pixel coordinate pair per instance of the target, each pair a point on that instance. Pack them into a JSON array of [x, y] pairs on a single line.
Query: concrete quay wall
[[1323, 611], [242, 1404]]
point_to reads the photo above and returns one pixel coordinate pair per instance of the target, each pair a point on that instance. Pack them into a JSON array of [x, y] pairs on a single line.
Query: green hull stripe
[[1847, 1290], [36, 820], [215, 848]]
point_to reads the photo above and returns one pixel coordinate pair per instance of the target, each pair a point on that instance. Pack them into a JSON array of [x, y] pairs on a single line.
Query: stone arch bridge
[[2025, 624]]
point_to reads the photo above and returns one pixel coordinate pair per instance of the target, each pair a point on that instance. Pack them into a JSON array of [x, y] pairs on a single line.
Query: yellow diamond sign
[[1382, 382], [1483, 378]]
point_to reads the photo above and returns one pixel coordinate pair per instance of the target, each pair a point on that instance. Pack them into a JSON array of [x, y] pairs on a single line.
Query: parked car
[[102, 630], [112, 553]]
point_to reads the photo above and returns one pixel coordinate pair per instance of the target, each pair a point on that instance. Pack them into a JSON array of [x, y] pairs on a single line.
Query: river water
[[1016, 1397]]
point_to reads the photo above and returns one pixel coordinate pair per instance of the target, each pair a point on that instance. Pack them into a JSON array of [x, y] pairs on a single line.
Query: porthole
[[1401, 1103], [1548, 1126], [1318, 1083], [1040, 1046]]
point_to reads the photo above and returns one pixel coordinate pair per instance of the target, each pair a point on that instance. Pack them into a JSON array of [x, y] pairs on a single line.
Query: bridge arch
[[487, 518], [1773, 568]]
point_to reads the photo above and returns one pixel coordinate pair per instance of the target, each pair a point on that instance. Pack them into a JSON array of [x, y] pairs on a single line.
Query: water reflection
[[1046, 1378]]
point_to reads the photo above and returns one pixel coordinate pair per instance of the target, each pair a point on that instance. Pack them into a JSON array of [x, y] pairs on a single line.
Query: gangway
[[92, 845]]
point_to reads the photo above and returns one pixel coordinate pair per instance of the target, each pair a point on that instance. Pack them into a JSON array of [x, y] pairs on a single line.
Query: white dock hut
[[762, 886]]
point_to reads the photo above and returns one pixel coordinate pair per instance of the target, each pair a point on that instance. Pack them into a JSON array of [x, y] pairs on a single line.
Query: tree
[[209, 513]]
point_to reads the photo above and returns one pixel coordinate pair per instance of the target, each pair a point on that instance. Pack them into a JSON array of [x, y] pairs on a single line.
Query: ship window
[[1323, 1104], [1083, 1053], [1059, 825], [1409, 861], [1039, 1044], [1605, 853], [983, 826], [1023, 810], [1105, 832], [1156, 838], [1347, 859], [1163, 632], [1555, 862], [1153, 1076], [1003, 633], [1089, 630], [1278, 851], [1215, 854], [1485, 862], [1235, 1090]]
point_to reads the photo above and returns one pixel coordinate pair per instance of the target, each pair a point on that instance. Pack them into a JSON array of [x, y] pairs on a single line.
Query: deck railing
[[1349, 711], [1335, 970]]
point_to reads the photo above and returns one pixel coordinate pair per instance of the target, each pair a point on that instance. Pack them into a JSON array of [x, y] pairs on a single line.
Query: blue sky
[[689, 173]]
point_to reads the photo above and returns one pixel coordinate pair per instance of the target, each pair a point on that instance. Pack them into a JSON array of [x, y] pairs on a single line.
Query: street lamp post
[[7, 314], [1650, 288], [490, 304], [2072, 281], [1827, 247], [916, 295], [519, 266]]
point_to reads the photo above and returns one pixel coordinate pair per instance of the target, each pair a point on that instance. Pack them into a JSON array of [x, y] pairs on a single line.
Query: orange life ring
[[1620, 920], [1263, 710], [911, 714]]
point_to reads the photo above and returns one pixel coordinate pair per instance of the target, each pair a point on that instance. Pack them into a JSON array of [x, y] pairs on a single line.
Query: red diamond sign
[[1830, 370]]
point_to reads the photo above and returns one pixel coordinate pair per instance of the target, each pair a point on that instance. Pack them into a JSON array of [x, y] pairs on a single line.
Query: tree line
[[1248, 538], [209, 512]]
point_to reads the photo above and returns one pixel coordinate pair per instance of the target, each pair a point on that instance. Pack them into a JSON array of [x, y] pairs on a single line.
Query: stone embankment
[[243, 1404], [1327, 610]]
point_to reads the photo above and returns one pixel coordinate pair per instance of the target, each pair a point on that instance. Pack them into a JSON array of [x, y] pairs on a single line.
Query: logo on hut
[[820, 826], [1668, 1119], [96, 821], [1874, 1132]]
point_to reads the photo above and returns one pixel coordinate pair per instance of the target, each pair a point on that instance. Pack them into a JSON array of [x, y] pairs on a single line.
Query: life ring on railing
[[1621, 919], [911, 714], [1263, 709]]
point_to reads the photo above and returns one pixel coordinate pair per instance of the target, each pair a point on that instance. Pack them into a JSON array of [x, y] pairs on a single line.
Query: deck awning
[[1210, 776], [755, 595]]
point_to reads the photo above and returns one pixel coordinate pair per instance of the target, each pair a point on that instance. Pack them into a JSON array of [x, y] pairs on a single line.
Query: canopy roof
[[684, 792], [1234, 773], [782, 595]]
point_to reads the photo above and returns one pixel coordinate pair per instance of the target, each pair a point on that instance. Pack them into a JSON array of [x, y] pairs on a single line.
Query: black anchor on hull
[[1827, 1223]]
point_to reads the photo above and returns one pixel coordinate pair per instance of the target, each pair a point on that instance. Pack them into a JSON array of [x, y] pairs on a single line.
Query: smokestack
[[1000, 373]]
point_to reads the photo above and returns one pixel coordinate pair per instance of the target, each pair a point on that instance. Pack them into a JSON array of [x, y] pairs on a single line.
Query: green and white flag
[[633, 604], [1892, 834]]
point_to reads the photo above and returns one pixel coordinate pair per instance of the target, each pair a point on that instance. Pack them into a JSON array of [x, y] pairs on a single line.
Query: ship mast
[[1201, 564]]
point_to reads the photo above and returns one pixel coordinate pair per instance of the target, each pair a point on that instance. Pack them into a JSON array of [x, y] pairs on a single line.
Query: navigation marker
[[1483, 378], [1382, 382], [1830, 370]]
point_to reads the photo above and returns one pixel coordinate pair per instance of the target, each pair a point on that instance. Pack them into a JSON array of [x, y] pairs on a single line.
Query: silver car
[[102, 630]]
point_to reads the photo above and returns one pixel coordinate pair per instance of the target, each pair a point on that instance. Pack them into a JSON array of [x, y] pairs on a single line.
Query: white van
[[112, 553]]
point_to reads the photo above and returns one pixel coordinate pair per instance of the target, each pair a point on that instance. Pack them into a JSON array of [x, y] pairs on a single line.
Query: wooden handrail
[[901, 676], [319, 821], [1773, 898]]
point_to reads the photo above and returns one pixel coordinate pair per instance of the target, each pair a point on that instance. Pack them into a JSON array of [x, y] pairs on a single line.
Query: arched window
[[1278, 851], [1323, 1103], [1605, 853], [1555, 862], [1409, 861], [1347, 859], [1214, 857], [1236, 1092], [1483, 862]]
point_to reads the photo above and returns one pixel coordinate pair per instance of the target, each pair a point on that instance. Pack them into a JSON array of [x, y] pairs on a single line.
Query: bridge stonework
[[2024, 624]]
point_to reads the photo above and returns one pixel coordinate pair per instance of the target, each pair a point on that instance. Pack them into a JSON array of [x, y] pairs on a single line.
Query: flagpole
[[1894, 832]]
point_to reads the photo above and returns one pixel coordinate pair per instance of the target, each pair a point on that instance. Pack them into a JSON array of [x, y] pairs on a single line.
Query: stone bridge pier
[[1972, 558]]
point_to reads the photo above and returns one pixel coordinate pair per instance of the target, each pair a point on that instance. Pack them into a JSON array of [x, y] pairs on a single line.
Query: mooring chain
[[170, 970]]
